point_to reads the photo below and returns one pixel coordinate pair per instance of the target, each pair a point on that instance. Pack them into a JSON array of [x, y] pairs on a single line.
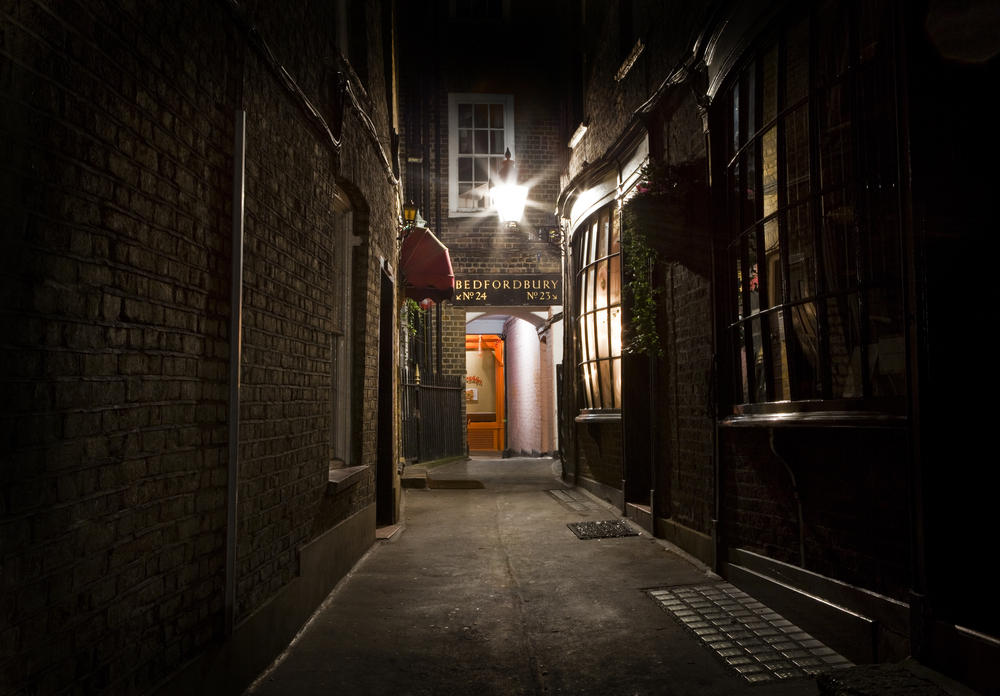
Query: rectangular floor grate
[[605, 529], [748, 637], [575, 500]]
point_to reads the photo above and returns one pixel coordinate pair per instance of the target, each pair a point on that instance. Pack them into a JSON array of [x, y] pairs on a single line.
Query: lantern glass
[[509, 201], [409, 213]]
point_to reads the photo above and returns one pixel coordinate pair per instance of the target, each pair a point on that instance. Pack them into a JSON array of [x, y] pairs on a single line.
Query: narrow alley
[[487, 591]]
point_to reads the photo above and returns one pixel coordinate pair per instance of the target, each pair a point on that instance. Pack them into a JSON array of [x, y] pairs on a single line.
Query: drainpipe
[[798, 501], [235, 340]]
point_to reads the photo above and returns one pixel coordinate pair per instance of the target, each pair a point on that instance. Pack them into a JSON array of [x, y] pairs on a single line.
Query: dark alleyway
[[486, 591]]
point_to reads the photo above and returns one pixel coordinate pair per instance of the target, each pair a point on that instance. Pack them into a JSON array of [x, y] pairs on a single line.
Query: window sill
[[343, 477], [886, 413], [600, 416]]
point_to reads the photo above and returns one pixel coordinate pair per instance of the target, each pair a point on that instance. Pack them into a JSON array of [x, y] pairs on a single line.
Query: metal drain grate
[[575, 500], [747, 636], [605, 529]]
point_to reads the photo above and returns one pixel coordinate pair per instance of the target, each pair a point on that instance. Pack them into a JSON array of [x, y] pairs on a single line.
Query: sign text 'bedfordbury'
[[510, 290]]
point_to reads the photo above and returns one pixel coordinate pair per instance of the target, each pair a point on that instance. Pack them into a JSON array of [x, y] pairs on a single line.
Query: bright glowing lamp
[[508, 197]]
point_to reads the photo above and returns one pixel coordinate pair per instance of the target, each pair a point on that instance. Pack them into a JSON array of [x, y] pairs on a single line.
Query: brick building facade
[[467, 58], [804, 229], [121, 154]]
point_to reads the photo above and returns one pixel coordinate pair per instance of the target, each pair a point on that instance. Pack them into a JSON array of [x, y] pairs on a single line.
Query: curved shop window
[[814, 303], [598, 310]]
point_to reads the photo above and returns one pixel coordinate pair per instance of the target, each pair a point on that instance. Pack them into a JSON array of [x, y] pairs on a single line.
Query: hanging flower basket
[[669, 209]]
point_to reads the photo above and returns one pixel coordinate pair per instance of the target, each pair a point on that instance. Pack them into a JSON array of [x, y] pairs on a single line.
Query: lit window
[[815, 305], [597, 250], [480, 129]]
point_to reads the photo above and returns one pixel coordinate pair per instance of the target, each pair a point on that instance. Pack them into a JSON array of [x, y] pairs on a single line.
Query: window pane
[[481, 170], [603, 232], [586, 351], [465, 115], [615, 280], [772, 256], [751, 242], [804, 351], [616, 331], [482, 142], [758, 392], [734, 207], [751, 108], [779, 364], [735, 117], [801, 283], [875, 32], [464, 142], [616, 373], [496, 115], [797, 154], [594, 228], [734, 252], [482, 116], [601, 291], [496, 142], [750, 184], [587, 386], [770, 86], [840, 264], [797, 63], [742, 384], [465, 169], [607, 394], [769, 170], [603, 335], [887, 350], [843, 327], [589, 297], [834, 136], [832, 40]]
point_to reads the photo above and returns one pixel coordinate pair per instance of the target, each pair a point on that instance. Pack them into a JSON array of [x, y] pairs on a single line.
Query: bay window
[[598, 311], [815, 303]]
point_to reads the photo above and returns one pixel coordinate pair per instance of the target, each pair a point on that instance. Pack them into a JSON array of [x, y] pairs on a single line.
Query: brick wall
[[855, 515], [115, 204], [684, 426]]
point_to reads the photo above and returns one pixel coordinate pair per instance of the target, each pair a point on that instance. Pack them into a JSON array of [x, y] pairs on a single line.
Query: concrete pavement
[[488, 592]]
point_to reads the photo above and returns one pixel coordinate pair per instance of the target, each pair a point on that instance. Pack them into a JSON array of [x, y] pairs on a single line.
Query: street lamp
[[409, 220], [508, 196]]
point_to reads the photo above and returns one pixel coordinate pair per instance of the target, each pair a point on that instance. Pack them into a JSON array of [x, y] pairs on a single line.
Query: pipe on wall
[[235, 346]]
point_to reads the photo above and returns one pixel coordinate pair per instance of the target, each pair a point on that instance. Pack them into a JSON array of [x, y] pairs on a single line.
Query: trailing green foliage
[[657, 184], [410, 309], [639, 260]]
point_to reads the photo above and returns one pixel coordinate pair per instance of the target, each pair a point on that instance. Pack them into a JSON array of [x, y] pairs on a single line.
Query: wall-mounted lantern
[[508, 196]]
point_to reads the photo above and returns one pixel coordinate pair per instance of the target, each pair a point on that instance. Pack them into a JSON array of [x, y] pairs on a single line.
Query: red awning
[[426, 267]]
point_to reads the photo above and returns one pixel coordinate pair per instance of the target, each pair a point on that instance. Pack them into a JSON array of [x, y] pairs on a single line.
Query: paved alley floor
[[487, 591]]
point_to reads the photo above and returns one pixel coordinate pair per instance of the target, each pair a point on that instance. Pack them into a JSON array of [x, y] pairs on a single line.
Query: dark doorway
[[385, 493]]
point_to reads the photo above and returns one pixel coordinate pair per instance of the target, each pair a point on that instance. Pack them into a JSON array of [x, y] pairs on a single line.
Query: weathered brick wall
[[855, 515], [600, 453], [684, 453], [521, 362], [609, 103], [115, 208], [288, 319], [117, 172]]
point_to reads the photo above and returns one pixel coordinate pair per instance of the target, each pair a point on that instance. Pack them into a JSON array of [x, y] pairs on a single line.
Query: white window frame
[[454, 99]]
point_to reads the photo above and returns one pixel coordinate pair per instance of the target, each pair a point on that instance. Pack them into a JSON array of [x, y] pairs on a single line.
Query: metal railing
[[432, 416]]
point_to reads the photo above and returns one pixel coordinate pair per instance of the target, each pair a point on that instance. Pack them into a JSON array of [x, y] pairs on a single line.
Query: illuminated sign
[[511, 290]]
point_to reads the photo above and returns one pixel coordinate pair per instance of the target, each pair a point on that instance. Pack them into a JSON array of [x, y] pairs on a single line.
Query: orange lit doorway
[[484, 393]]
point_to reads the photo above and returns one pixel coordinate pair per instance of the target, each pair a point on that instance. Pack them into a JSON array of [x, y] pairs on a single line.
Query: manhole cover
[[605, 529]]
